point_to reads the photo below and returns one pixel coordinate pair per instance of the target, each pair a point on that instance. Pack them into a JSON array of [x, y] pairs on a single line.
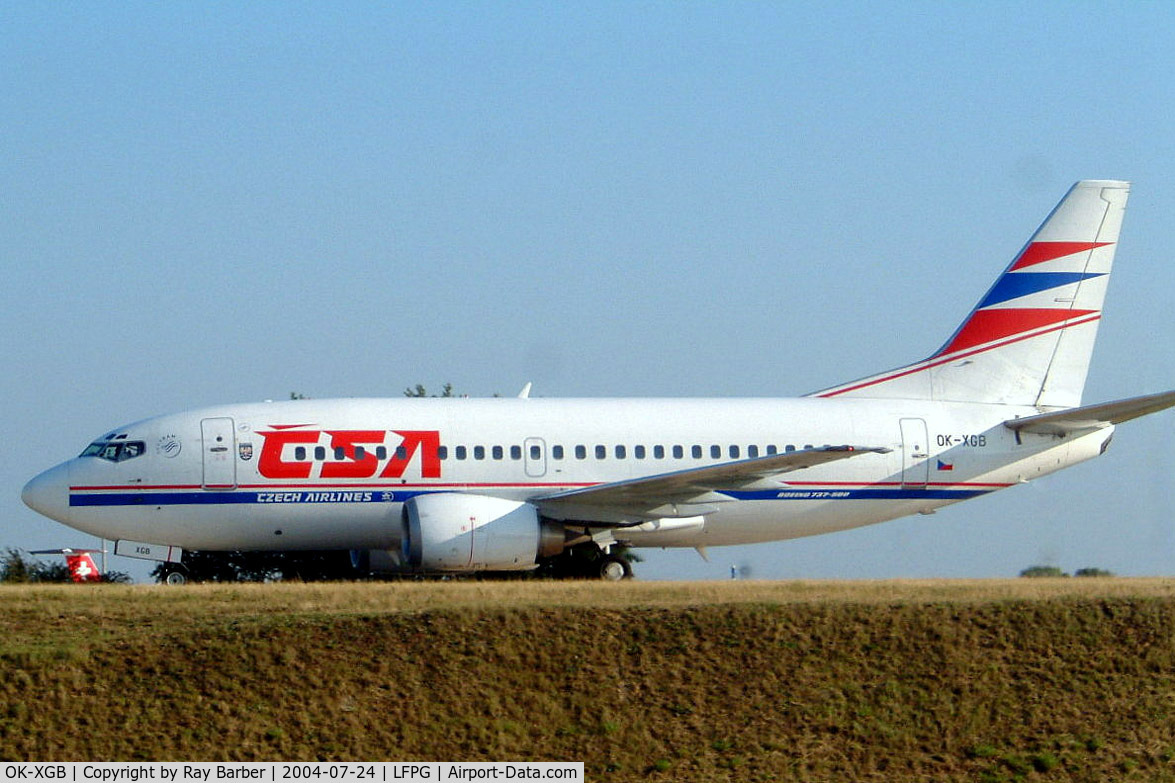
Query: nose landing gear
[[172, 574]]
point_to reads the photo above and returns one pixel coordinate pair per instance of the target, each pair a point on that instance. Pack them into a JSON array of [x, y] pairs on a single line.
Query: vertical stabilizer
[[1030, 338]]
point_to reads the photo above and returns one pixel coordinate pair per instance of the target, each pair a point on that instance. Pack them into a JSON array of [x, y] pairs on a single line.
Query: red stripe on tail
[[1039, 252], [985, 326]]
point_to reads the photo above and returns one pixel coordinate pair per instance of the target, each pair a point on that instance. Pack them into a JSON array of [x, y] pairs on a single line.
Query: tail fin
[[81, 567], [1029, 340]]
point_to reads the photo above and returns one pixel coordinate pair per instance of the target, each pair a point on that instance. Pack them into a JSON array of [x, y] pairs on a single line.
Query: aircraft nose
[[48, 493]]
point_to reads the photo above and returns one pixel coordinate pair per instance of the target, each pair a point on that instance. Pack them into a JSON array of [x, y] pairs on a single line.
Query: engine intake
[[457, 532]]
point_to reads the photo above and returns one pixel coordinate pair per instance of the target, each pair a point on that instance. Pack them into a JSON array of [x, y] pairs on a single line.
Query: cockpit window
[[115, 451]]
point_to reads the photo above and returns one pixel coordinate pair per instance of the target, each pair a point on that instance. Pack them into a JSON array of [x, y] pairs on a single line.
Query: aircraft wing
[[1091, 417], [696, 485]]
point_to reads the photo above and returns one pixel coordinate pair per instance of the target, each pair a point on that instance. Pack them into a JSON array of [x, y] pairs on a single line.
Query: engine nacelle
[[455, 532]]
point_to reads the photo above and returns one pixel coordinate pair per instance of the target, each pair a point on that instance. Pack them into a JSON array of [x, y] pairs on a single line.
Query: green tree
[[1042, 571], [311, 566], [1092, 572], [14, 569], [419, 391]]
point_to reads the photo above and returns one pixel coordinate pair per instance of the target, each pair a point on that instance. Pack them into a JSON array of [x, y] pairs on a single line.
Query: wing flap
[[1092, 417]]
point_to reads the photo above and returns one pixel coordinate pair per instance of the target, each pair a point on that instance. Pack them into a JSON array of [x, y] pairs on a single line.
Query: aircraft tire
[[614, 568], [175, 577]]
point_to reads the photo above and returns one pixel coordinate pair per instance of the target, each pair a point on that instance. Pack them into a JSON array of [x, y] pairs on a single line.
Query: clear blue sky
[[218, 202]]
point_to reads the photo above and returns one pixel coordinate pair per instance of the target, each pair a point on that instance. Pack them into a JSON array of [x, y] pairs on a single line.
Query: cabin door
[[219, 447], [915, 454]]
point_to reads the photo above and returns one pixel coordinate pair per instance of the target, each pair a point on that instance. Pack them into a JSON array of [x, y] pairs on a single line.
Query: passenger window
[[497, 452], [771, 450], [601, 452], [515, 452], [621, 452], [658, 452], [340, 453], [696, 452], [461, 452], [789, 447], [581, 452], [678, 452], [300, 453], [360, 452], [381, 452], [536, 452], [557, 452], [320, 453], [442, 452], [734, 452], [638, 452], [479, 452], [715, 452], [752, 451]]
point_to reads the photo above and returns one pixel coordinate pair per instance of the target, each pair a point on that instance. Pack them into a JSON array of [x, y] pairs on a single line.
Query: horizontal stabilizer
[[1091, 417], [651, 491], [66, 551]]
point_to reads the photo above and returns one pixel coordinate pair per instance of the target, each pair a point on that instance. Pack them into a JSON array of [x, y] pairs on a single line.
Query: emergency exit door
[[535, 453]]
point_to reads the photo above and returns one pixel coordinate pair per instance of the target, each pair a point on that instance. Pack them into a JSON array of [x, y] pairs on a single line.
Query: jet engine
[[457, 532]]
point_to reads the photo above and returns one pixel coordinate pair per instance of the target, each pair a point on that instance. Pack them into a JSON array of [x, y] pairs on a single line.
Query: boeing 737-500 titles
[[447, 485]]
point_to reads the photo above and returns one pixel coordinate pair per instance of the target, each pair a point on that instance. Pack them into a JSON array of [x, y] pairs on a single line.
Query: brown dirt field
[[988, 680]]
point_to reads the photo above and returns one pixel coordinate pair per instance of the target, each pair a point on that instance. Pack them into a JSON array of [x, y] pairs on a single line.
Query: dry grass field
[[1067, 679]]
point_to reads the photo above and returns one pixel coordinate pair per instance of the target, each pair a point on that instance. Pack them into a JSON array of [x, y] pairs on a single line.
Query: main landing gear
[[613, 568], [589, 561]]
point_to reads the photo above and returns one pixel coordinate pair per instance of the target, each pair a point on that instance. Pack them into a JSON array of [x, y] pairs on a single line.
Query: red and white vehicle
[[80, 562]]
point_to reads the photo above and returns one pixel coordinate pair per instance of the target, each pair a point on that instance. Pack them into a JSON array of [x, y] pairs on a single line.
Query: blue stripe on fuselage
[[216, 497], [225, 497], [866, 493]]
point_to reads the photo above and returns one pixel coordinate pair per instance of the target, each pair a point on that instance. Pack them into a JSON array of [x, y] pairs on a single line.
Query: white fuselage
[[508, 484], [333, 474]]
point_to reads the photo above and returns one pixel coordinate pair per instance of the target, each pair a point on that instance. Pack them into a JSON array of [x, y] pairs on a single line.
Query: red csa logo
[[358, 453]]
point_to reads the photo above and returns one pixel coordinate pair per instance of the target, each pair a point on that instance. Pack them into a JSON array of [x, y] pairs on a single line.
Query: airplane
[[79, 562], [458, 485]]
